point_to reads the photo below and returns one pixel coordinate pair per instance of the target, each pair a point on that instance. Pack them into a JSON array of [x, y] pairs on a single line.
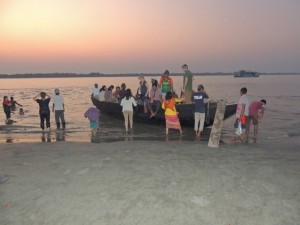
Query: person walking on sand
[[6, 107], [171, 115], [44, 109], [166, 83], [127, 104], [58, 108], [200, 109], [256, 113], [242, 115], [187, 87]]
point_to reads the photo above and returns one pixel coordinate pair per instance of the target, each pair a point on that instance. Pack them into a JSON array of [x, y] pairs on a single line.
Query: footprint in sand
[[67, 172], [84, 171], [202, 201]]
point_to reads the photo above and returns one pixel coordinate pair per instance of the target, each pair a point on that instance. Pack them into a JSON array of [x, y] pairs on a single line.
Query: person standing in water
[[14, 103], [200, 109], [6, 107], [242, 115], [187, 87], [256, 113], [58, 108], [127, 104], [44, 109], [171, 115]]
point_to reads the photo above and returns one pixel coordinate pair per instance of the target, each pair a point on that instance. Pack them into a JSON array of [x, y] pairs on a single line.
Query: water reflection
[[128, 136], [46, 137], [95, 138], [9, 140], [60, 135]]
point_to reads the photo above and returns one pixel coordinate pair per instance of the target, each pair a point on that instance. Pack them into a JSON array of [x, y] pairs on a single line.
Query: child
[[21, 112], [93, 115]]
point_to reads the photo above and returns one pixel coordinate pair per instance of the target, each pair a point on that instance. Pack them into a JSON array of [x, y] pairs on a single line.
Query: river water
[[282, 116]]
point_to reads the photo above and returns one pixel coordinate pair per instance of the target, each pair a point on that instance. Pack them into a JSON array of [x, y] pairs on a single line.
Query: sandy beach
[[149, 182]]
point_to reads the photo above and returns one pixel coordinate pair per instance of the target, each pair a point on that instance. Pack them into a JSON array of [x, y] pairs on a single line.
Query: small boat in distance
[[246, 73], [186, 113]]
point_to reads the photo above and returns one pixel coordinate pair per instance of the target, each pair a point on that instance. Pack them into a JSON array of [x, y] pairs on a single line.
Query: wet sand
[[150, 182]]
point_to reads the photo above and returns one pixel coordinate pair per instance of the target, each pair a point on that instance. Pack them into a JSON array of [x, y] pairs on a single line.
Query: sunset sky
[[141, 36]]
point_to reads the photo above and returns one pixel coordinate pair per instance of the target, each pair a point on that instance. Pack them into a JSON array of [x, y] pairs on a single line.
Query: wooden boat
[[186, 113]]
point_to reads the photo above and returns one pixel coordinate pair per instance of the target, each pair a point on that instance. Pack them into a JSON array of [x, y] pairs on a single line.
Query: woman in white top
[[102, 94], [127, 104]]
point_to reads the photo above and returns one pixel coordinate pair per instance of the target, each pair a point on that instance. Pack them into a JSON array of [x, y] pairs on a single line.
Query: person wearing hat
[[187, 83], [166, 83], [58, 108], [96, 92]]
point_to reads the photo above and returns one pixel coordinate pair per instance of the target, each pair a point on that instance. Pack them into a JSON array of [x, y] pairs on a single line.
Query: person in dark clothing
[[122, 92], [143, 92], [200, 109], [14, 104], [44, 109]]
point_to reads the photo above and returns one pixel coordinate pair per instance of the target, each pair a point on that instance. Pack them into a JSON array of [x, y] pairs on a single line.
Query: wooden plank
[[215, 134]]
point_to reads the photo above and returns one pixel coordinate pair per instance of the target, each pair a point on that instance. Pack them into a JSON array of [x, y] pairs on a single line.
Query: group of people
[[9, 106], [43, 100], [58, 107], [247, 113], [160, 95], [108, 94]]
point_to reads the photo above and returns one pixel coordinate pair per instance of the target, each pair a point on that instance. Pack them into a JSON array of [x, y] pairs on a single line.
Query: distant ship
[[246, 73]]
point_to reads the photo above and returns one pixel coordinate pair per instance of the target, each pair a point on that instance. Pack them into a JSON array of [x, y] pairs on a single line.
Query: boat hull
[[185, 113]]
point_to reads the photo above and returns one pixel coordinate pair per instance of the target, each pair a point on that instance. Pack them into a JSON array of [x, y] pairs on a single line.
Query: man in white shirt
[[96, 92], [242, 114], [59, 109]]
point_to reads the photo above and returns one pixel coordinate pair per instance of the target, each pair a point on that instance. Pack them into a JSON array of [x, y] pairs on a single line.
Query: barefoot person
[[127, 104], [256, 113], [242, 113], [44, 109], [200, 109], [187, 83], [171, 115], [93, 115], [58, 108]]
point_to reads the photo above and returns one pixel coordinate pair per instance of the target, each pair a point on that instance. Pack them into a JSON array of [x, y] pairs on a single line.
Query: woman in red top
[[6, 107]]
